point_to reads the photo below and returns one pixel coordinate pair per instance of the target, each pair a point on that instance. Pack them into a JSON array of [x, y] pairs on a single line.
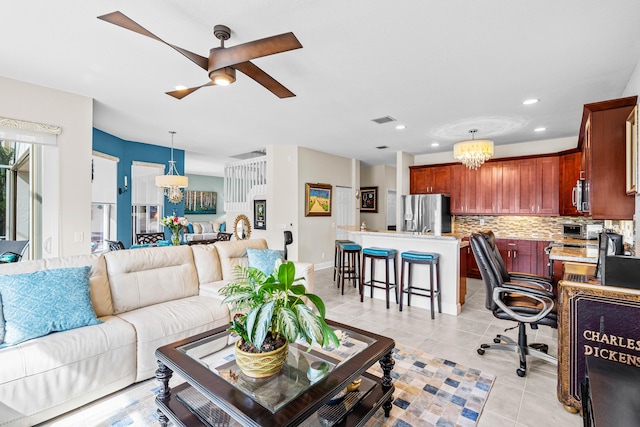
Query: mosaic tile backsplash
[[536, 227]]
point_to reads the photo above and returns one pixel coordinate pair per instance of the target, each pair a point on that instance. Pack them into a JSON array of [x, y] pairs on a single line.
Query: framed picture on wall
[[200, 202], [317, 199], [369, 199], [259, 214]]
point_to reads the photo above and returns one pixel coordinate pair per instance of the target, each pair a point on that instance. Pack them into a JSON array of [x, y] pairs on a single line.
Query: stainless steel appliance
[[426, 213], [581, 231]]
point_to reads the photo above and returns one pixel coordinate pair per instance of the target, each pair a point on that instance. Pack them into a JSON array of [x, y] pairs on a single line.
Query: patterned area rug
[[430, 391]]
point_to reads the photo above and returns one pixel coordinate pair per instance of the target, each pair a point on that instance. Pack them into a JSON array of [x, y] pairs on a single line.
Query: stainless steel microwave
[[575, 231]]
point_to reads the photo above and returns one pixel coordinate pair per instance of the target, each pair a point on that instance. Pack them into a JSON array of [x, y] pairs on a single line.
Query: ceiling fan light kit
[[222, 63], [473, 153]]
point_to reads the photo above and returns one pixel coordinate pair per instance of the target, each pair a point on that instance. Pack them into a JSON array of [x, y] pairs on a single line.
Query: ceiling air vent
[[385, 119], [250, 155]]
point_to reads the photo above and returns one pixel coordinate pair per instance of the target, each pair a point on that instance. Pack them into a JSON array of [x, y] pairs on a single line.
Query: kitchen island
[[447, 246]]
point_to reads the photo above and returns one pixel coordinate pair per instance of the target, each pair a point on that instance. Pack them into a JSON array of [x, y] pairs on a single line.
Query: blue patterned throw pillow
[[36, 304], [263, 259]]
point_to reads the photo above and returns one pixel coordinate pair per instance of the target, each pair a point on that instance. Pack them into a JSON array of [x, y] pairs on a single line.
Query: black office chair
[[12, 250], [288, 239], [525, 302], [115, 245], [511, 276]]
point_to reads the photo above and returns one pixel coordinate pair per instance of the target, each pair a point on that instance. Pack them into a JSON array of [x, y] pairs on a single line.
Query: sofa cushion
[[263, 259], [216, 227], [170, 321], [38, 303], [234, 252], [47, 376], [100, 291], [207, 263], [147, 276], [207, 228], [197, 228]]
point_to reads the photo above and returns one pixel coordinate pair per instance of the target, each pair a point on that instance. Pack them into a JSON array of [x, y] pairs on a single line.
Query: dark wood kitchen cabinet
[[430, 180], [602, 140], [537, 186], [525, 256], [569, 175]]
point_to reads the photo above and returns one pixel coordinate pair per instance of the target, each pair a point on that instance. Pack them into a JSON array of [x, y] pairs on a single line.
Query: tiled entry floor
[[513, 401]]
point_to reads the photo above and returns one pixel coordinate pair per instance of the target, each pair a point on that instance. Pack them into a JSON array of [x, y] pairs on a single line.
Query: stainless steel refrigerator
[[426, 213]]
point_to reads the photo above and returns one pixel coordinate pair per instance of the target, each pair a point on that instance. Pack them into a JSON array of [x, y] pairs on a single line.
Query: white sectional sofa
[[145, 298]]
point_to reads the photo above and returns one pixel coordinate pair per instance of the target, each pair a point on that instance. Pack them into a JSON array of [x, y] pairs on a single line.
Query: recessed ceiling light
[[401, 127], [541, 129], [530, 101], [180, 87], [435, 144]]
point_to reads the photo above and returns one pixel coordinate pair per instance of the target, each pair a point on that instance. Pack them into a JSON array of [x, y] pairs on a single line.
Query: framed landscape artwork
[[200, 202], [259, 214], [317, 198], [369, 199]]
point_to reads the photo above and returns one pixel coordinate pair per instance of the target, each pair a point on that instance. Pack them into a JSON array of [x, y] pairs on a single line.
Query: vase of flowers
[[175, 224]]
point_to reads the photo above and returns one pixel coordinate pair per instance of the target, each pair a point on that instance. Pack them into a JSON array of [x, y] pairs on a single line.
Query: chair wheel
[[484, 346], [497, 340], [521, 372], [480, 351]]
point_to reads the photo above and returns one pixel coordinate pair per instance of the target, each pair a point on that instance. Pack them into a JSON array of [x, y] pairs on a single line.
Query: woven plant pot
[[261, 365]]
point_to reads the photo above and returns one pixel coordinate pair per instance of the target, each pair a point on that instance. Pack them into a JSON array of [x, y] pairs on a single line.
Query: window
[[146, 199]]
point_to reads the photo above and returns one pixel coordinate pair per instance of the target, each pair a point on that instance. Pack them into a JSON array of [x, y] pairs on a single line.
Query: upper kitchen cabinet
[[603, 143], [570, 167], [430, 180], [537, 186]]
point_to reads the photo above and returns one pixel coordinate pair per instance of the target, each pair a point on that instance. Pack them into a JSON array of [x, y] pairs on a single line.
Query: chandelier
[[473, 153], [172, 182]]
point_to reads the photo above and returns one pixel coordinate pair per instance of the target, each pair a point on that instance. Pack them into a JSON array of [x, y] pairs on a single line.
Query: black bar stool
[[336, 260], [383, 254], [349, 263], [427, 258]]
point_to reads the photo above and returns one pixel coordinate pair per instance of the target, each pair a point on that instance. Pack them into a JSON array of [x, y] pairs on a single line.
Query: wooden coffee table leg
[[163, 374], [387, 363]]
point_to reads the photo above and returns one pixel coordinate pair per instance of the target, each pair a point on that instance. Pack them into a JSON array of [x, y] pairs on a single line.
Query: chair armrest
[[527, 288], [545, 298], [544, 281]]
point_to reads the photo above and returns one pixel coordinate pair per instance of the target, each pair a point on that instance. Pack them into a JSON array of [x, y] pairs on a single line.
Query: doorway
[[344, 209]]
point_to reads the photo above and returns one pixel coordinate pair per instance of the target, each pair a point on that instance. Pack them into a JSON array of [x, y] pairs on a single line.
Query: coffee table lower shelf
[[181, 415]]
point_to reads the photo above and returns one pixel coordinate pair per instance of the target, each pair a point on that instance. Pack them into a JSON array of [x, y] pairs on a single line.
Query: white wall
[[316, 235], [282, 199], [67, 229]]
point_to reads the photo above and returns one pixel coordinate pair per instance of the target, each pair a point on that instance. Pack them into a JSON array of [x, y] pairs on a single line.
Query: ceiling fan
[[222, 63]]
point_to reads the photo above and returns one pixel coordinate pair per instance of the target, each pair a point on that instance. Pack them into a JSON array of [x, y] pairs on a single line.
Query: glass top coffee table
[[310, 390]]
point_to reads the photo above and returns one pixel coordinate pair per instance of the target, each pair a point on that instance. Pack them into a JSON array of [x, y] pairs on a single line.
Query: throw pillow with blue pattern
[[263, 259], [36, 304]]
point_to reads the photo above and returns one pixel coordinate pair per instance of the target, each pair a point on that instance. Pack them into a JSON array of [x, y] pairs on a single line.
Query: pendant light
[[172, 182]]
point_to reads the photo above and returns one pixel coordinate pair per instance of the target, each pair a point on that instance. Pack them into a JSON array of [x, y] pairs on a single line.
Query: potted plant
[[271, 312]]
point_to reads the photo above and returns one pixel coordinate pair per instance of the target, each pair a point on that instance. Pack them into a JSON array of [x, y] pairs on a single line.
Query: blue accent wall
[[128, 152]]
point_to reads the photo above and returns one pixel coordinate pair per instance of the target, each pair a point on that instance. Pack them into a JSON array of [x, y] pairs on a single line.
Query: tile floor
[[513, 401]]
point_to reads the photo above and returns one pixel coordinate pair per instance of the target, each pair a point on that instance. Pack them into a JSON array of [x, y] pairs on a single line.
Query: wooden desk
[[593, 320], [612, 394]]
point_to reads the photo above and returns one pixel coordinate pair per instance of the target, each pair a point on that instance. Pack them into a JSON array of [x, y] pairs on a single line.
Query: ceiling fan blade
[[181, 93], [120, 19], [230, 56], [271, 84]]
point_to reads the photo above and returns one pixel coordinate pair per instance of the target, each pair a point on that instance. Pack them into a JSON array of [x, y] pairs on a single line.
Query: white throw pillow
[[216, 227], [207, 228], [197, 228]]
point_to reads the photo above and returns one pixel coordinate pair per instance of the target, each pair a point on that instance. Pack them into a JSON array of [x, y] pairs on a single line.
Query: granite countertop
[[410, 234], [587, 254]]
